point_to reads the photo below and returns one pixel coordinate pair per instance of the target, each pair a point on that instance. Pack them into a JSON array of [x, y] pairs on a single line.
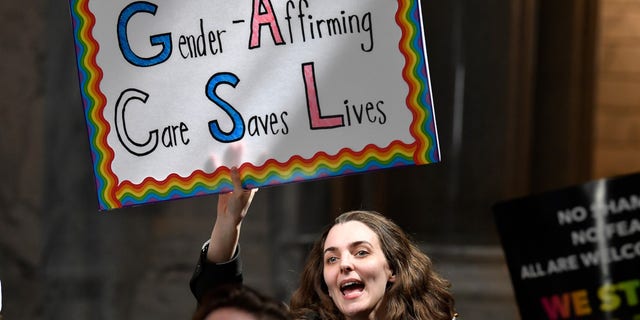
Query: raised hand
[[232, 209], [234, 205]]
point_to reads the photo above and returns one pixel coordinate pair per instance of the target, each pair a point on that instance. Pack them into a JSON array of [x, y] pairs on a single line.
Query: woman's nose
[[346, 263]]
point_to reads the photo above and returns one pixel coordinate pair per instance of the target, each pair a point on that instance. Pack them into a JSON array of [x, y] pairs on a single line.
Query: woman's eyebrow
[[351, 245], [359, 243], [330, 249]]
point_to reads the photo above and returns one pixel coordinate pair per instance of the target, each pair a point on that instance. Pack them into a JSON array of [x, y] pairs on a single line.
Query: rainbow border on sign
[[113, 193]]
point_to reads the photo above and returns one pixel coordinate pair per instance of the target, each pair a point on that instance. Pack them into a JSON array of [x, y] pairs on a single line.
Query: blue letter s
[[237, 132]]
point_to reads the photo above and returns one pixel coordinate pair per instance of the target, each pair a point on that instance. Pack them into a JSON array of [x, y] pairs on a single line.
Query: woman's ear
[[392, 278]]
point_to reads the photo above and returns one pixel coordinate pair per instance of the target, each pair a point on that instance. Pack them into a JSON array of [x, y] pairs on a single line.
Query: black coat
[[208, 276]]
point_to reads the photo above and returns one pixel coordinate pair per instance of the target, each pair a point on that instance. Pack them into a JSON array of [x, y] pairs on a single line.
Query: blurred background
[[530, 96]]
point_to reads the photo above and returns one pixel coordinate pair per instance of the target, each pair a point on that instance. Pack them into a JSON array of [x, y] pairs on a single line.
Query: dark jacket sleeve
[[209, 275]]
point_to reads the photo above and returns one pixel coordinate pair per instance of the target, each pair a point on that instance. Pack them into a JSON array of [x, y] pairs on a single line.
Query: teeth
[[349, 284]]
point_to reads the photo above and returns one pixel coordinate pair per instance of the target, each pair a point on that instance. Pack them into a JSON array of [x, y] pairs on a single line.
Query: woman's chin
[[355, 310]]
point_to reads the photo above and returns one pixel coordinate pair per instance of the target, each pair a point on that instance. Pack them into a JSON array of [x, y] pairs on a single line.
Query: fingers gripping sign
[[232, 208], [235, 204]]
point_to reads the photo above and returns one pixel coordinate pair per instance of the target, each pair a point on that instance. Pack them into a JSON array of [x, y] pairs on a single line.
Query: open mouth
[[351, 288]]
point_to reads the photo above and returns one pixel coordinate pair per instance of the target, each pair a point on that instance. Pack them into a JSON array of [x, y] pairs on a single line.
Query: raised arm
[[217, 264], [232, 208]]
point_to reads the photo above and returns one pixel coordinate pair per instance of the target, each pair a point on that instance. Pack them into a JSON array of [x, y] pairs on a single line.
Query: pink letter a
[[260, 18]]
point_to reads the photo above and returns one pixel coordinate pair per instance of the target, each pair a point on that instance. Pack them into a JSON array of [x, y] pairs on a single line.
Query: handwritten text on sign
[[176, 93], [584, 265]]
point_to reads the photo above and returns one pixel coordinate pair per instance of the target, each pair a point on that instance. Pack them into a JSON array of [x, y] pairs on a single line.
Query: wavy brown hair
[[418, 292]]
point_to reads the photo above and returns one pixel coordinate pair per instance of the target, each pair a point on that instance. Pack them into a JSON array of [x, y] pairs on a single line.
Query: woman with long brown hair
[[335, 274]]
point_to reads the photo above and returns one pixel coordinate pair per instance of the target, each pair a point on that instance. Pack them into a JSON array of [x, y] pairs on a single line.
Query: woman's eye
[[332, 260], [362, 253]]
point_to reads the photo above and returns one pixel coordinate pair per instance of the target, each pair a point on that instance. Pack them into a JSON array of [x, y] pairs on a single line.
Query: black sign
[[575, 253]]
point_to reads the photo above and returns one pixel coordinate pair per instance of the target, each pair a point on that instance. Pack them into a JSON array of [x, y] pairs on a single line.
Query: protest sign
[[177, 92], [575, 253]]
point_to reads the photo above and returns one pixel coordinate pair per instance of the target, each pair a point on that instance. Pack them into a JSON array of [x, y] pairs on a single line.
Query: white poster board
[[177, 92]]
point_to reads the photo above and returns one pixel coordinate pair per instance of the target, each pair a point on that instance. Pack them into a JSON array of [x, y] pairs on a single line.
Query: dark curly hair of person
[[244, 298]]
